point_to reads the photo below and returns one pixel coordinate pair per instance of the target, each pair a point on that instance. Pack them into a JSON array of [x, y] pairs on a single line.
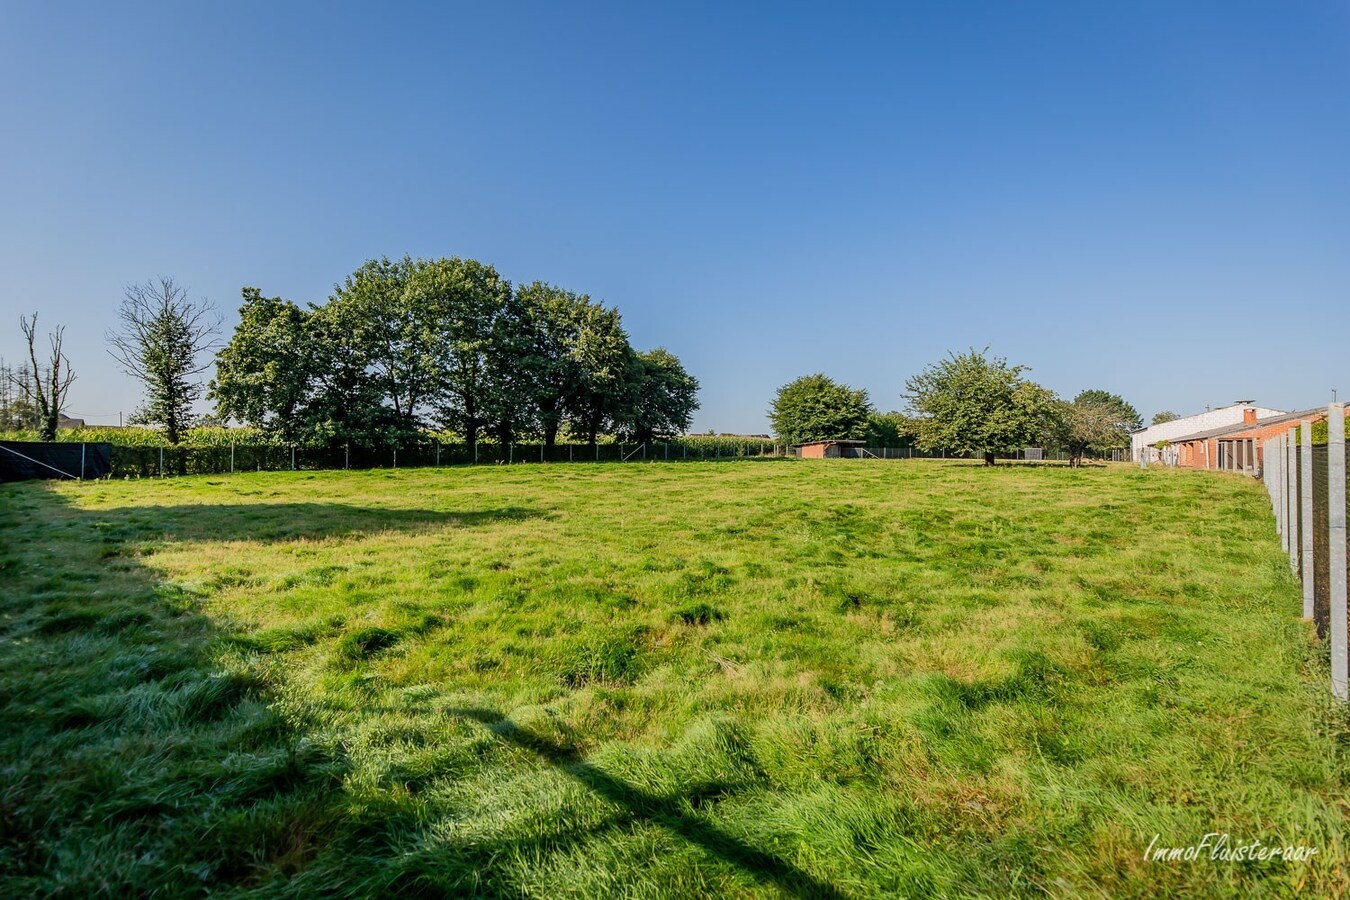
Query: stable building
[[1236, 448], [829, 449], [1144, 442]]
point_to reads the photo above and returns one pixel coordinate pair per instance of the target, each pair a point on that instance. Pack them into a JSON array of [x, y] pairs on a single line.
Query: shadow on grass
[[272, 522], [135, 757], [666, 812]]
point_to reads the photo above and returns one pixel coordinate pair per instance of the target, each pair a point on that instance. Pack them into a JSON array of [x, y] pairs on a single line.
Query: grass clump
[[366, 642]]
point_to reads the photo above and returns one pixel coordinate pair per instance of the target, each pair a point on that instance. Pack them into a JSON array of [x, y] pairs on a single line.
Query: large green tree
[[1122, 411], [1094, 421], [890, 429], [1165, 416], [605, 366], [396, 337], [552, 321], [474, 336], [264, 375], [817, 408], [978, 404], [663, 397], [579, 362]]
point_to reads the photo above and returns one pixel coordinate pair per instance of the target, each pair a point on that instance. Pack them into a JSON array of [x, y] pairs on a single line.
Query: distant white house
[[1142, 441]]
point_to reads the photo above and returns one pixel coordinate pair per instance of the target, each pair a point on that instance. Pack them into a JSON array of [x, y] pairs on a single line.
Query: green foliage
[[132, 436], [264, 374], [1164, 416], [926, 680], [1095, 421], [397, 337], [1123, 413], [976, 404], [478, 339], [890, 429], [662, 398], [404, 341], [1320, 432], [817, 408], [579, 365]]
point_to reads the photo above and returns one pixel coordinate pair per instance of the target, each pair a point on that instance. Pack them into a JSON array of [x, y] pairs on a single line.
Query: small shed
[[828, 449]]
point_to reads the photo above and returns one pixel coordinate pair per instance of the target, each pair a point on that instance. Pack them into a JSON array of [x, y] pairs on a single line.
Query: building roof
[[813, 443], [1248, 426], [1240, 404]]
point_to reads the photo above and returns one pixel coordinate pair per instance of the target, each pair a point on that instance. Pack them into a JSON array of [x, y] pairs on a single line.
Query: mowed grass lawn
[[812, 678]]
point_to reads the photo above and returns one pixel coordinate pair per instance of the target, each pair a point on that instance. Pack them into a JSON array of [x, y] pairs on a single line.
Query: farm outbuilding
[[1144, 441], [829, 449], [1236, 448]]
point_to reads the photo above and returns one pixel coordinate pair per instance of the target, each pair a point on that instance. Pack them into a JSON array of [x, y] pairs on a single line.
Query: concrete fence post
[[1295, 537], [1276, 459], [1305, 494], [1336, 538]]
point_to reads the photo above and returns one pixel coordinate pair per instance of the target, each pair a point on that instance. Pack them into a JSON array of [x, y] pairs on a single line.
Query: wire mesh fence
[[1306, 482], [154, 461], [159, 461]]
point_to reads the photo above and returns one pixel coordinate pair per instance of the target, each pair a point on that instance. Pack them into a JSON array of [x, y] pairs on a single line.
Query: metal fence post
[[292, 457], [161, 462], [569, 452], [511, 452], [82, 449], [541, 452], [1336, 537], [438, 454], [231, 457], [1305, 495]]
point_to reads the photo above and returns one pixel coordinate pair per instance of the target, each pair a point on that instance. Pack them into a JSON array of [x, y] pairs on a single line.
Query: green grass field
[[834, 678]]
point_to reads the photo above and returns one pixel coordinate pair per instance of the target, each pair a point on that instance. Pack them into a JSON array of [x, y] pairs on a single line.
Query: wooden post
[[1305, 494], [1337, 537]]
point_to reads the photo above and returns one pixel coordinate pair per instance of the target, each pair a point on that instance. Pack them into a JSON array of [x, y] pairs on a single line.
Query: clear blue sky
[[1145, 197]]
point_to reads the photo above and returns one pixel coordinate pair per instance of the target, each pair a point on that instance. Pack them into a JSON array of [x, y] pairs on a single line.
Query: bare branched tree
[[161, 343], [44, 387]]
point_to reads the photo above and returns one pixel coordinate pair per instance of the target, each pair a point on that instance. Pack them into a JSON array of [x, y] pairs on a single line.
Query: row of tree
[[406, 344], [401, 346], [970, 403]]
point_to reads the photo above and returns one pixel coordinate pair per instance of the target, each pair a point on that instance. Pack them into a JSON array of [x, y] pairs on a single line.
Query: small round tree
[[818, 408], [976, 404]]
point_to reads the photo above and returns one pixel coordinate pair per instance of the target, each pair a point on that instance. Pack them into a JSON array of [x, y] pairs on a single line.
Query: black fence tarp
[[25, 460]]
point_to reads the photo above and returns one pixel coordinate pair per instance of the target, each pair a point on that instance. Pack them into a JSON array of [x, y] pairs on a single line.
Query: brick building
[[1143, 443], [828, 449], [1237, 448]]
